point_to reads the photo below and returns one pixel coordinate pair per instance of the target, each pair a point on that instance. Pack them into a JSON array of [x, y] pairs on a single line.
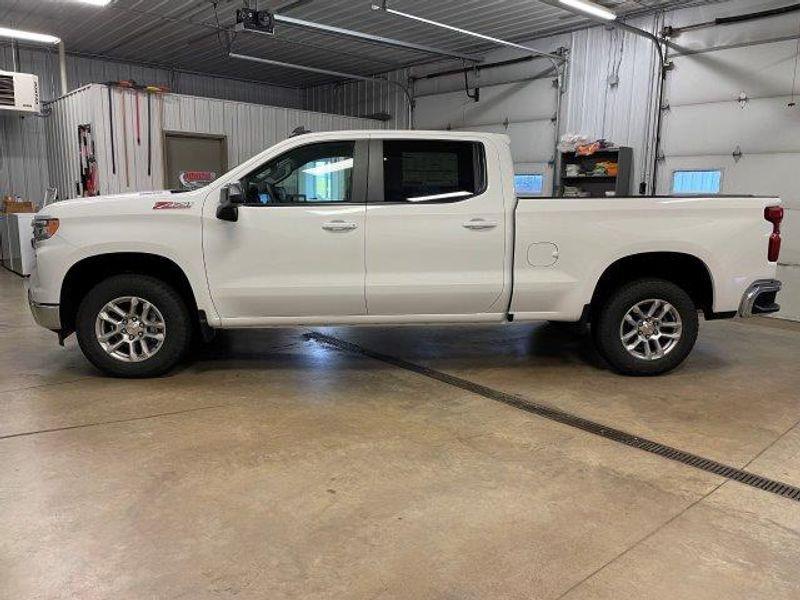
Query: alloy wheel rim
[[651, 329], [130, 329]]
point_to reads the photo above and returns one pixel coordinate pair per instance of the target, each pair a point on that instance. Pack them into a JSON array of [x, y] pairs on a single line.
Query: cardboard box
[[13, 206]]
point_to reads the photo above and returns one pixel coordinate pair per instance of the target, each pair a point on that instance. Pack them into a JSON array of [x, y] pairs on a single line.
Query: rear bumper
[[759, 298], [45, 315]]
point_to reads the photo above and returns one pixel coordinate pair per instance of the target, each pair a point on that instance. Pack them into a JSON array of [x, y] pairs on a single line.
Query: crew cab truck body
[[395, 227]]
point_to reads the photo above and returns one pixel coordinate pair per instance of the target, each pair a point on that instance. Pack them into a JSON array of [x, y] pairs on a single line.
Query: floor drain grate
[[554, 414]]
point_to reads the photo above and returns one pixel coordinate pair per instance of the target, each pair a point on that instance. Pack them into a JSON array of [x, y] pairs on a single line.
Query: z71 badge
[[171, 205]]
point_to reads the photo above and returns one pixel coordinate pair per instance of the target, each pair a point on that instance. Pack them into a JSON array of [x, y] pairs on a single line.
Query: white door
[[297, 248], [435, 229], [730, 114]]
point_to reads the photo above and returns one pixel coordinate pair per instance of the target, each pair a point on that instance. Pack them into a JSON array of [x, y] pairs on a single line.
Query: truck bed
[[562, 246]]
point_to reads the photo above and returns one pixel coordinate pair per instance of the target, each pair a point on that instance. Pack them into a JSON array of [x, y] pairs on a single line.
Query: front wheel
[[647, 327], [133, 326]]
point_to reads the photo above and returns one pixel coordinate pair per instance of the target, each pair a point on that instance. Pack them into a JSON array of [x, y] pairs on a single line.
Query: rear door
[[435, 240]]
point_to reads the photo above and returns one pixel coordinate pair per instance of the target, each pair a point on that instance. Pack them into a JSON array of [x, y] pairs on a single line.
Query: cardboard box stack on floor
[[16, 216]]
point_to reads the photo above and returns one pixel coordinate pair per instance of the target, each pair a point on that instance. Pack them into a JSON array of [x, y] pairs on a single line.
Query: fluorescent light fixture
[[96, 2], [347, 163], [17, 34], [590, 8], [439, 196]]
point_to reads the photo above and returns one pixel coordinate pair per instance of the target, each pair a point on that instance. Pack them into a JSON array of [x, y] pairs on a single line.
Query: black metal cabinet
[[605, 173]]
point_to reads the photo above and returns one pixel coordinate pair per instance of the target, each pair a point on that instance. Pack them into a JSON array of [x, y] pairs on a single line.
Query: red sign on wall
[[196, 179]]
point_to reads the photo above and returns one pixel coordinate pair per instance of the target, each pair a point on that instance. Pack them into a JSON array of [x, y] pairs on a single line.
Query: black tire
[[178, 326], [607, 333]]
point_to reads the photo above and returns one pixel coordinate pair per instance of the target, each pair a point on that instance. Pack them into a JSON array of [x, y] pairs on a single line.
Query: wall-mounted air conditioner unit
[[19, 92]]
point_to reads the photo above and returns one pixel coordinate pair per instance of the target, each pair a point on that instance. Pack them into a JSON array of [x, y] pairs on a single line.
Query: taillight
[[774, 214]]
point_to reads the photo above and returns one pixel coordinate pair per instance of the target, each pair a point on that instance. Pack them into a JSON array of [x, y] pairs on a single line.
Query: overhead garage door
[[728, 111], [524, 111]]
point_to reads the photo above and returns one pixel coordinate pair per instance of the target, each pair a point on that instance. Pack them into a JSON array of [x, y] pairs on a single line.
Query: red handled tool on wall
[[130, 84]]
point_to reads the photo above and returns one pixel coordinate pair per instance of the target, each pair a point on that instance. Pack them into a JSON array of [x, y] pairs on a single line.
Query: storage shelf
[[597, 186]]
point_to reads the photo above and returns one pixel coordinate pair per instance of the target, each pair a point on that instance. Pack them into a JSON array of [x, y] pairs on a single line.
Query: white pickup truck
[[395, 227]]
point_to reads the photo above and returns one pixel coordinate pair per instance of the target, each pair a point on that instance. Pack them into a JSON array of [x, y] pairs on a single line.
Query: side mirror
[[230, 197]]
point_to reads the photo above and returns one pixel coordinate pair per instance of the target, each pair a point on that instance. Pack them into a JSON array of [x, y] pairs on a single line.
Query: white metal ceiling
[[185, 34]]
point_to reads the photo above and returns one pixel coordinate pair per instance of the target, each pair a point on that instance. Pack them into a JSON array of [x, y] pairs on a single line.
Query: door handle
[[339, 226], [478, 224]]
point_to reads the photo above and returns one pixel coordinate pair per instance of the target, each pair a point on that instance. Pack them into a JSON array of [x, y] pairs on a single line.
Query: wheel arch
[[685, 270], [88, 272]]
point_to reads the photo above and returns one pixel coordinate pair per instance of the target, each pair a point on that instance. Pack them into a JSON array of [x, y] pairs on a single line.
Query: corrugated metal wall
[[362, 98], [23, 155], [23, 159], [83, 71], [623, 112], [248, 128], [23, 163]]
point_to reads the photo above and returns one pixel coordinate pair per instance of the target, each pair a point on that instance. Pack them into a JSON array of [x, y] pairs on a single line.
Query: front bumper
[[46, 315], [759, 298]]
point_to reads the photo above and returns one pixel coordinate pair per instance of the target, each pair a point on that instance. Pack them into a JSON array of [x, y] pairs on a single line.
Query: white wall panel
[[762, 125], [760, 71], [515, 102], [248, 128], [734, 33], [23, 164]]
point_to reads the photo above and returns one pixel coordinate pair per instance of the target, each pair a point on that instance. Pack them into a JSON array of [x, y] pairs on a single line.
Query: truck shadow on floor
[[529, 346]]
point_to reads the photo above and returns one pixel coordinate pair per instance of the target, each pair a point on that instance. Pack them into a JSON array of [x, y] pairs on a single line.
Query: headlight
[[44, 228]]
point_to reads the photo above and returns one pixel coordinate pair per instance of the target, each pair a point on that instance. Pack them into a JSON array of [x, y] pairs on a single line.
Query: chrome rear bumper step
[[759, 298]]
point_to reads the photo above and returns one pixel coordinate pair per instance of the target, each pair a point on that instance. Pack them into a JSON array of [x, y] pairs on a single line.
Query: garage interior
[[402, 462]]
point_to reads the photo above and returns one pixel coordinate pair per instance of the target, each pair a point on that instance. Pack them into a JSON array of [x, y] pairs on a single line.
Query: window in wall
[[313, 173], [432, 171], [697, 182], [528, 184]]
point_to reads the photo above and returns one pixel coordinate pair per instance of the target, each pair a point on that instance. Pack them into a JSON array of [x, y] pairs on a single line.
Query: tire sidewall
[[607, 335], [161, 295]]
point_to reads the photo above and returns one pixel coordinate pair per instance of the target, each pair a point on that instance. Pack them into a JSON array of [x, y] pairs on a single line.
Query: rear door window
[[432, 171]]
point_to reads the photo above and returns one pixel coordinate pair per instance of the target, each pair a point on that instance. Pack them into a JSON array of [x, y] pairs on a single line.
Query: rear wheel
[[133, 326], [647, 327]]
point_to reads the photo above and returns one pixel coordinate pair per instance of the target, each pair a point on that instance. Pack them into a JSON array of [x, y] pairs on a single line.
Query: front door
[[436, 230], [297, 249], [193, 159]]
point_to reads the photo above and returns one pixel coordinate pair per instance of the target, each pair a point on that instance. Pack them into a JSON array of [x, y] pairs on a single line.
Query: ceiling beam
[[286, 65], [375, 39], [556, 58]]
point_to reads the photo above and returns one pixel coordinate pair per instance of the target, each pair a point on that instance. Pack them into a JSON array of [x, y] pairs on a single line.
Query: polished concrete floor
[[273, 466]]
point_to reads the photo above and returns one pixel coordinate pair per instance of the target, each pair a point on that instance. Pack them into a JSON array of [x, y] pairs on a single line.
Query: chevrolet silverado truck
[[395, 227]]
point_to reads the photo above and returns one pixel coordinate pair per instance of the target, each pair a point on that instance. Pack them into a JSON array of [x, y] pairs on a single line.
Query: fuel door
[[542, 254]]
